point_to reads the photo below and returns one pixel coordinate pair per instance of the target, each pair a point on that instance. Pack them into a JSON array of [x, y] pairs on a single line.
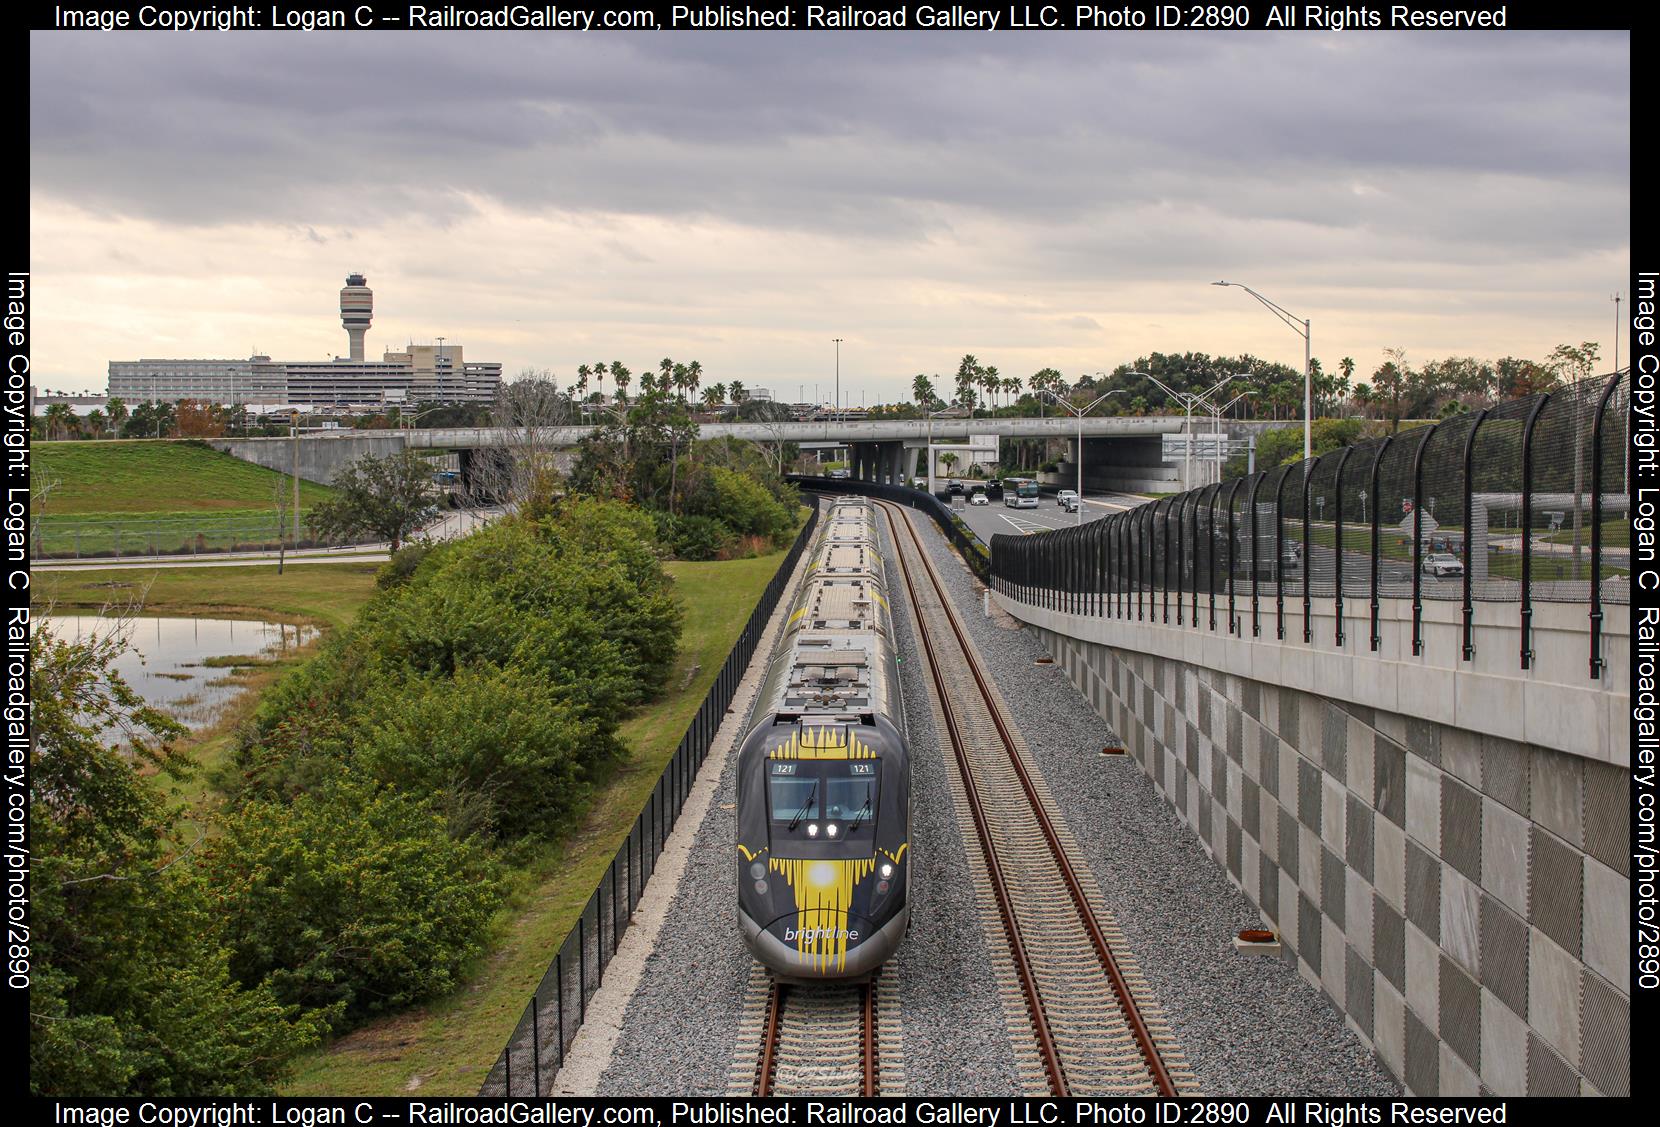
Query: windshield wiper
[[805, 806], [863, 810]]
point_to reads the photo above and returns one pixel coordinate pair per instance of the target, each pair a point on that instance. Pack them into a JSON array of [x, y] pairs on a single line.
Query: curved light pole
[[1187, 399], [1300, 326], [1080, 412]]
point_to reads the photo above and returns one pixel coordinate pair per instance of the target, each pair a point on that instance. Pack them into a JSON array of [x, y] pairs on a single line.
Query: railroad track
[[824, 1039], [1063, 968]]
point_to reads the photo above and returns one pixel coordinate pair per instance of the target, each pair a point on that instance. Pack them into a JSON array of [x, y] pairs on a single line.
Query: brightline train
[[824, 772]]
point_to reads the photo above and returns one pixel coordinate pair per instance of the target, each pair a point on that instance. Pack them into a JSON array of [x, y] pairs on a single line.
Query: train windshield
[[823, 800]]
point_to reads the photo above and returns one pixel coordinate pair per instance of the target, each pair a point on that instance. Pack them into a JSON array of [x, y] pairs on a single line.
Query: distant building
[[417, 373]]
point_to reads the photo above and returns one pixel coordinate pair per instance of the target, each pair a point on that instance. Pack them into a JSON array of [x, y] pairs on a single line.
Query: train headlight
[[812, 829], [830, 830], [887, 870], [758, 870]]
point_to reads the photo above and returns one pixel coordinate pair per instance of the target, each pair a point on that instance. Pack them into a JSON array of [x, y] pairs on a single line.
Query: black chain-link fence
[[1525, 502], [559, 1005]]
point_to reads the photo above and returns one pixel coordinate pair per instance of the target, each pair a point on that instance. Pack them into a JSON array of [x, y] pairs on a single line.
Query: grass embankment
[[160, 496], [448, 1046], [325, 595]]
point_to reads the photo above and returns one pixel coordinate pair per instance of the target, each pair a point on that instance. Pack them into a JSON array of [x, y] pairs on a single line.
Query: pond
[[187, 667]]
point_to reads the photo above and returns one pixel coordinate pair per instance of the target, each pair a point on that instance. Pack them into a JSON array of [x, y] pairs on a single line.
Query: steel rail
[[1086, 915]]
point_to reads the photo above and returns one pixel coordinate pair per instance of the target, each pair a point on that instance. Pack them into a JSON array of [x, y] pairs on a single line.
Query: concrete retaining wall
[[1462, 897]]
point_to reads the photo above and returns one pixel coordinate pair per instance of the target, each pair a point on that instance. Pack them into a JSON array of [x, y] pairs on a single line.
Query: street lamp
[[1302, 327], [838, 412], [1187, 399], [1080, 412]]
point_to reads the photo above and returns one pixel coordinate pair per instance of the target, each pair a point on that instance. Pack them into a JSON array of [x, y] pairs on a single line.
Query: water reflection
[[186, 667]]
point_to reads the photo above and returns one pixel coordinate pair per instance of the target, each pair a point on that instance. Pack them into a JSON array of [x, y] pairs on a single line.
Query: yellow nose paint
[[823, 893]]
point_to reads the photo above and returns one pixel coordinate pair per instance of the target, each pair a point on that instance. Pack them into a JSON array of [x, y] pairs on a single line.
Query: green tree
[[922, 390], [132, 992], [350, 901], [386, 497]]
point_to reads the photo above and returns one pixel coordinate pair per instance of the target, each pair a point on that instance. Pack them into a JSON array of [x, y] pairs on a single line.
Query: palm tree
[[992, 381], [922, 391], [694, 376], [719, 392], [97, 421], [711, 397], [738, 392], [620, 375], [1011, 387], [950, 461], [117, 411], [59, 418]]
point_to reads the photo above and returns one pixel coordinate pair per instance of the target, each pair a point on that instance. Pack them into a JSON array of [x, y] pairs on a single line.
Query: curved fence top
[[1524, 502]]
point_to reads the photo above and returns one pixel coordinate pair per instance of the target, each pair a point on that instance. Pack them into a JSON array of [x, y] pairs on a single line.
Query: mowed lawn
[[147, 478], [448, 1046]]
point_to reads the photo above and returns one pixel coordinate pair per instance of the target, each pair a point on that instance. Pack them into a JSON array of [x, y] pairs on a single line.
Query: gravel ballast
[[1249, 1025]]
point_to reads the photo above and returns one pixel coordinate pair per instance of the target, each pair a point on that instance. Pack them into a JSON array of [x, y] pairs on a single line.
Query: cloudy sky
[[741, 198]]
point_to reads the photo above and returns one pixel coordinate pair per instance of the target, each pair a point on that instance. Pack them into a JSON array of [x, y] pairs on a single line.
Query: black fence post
[[1308, 548], [1192, 553], [1182, 552], [1377, 535], [1527, 531], [1256, 553], [1233, 620], [559, 978], [1164, 571], [1596, 528], [536, 1043], [1469, 647], [582, 967], [1210, 551], [1337, 538], [1279, 553], [1418, 541]]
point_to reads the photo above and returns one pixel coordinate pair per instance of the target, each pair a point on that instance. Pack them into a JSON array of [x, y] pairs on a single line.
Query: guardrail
[[559, 1005], [972, 549], [1511, 503]]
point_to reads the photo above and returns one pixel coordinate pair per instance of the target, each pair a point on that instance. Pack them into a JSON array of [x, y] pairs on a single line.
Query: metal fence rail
[[969, 546], [1525, 502], [559, 1005]]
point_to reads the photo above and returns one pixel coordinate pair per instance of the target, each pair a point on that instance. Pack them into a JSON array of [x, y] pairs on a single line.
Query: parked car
[[1442, 563]]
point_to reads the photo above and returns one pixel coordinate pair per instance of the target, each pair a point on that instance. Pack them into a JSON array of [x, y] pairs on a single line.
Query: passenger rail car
[[824, 772]]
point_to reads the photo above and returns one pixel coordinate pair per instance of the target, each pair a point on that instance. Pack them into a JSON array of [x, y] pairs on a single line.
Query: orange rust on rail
[[769, 1040], [1086, 915], [1005, 904]]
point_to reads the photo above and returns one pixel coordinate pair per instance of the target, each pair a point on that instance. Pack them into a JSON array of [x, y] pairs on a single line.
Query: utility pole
[[294, 429], [838, 341]]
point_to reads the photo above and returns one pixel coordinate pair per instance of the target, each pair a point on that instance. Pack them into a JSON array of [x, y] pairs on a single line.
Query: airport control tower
[[357, 308]]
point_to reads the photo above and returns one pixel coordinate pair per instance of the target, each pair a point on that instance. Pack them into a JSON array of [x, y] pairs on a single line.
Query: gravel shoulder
[[1249, 1025]]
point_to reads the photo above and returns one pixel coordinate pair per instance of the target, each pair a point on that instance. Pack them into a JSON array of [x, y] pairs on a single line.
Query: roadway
[[995, 518]]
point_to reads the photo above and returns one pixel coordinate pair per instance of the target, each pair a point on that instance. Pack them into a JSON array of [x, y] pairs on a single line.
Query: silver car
[[1442, 563]]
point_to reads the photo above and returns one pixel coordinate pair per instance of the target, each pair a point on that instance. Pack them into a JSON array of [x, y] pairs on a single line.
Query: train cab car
[[824, 803]]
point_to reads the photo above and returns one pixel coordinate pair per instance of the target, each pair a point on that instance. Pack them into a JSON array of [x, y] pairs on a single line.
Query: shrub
[[400, 569], [350, 901], [502, 734], [701, 538], [739, 502]]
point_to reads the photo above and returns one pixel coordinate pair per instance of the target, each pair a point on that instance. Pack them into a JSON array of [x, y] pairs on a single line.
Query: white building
[[417, 373]]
